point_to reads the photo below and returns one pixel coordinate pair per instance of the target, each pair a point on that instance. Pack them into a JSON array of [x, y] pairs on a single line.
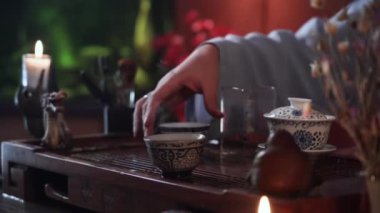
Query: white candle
[[264, 206], [32, 67]]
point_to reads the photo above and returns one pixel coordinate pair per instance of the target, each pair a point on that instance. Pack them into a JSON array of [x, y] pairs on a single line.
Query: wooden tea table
[[113, 173]]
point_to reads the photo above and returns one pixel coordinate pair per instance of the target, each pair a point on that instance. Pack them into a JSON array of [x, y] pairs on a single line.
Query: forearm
[[197, 73], [201, 65]]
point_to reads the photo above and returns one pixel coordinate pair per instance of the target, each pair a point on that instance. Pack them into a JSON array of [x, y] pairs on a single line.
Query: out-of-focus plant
[[349, 70]]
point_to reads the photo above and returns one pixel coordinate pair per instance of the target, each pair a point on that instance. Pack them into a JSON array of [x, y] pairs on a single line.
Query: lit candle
[[264, 206], [32, 67]]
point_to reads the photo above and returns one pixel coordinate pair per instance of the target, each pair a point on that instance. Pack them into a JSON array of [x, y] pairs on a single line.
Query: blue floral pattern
[[309, 135], [294, 113], [304, 139], [175, 160], [297, 112]]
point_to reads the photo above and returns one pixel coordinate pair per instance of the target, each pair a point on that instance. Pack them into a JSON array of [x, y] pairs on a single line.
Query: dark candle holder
[[29, 101]]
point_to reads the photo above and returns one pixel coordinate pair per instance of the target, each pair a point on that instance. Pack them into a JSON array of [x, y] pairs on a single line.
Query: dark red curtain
[[255, 15]]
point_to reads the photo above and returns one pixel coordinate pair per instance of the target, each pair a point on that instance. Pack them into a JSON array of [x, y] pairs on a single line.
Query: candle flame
[[264, 206], [38, 49]]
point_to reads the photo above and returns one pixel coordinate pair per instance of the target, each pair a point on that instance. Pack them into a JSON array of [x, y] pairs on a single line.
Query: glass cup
[[243, 122]]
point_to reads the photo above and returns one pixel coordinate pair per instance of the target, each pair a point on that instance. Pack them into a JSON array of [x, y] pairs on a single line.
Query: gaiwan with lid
[[309, 127]]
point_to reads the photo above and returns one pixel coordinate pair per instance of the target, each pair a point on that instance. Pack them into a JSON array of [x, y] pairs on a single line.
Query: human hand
[[197, 74]]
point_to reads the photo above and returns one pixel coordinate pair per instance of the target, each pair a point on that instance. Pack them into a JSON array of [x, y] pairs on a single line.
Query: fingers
[[144, 115], [211, 102], [146, 108], [149, 113], [164, 89], [137, 117]]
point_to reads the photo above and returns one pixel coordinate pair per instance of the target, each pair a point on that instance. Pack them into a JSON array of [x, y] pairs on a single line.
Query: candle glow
[[264, 206], [38, 49]]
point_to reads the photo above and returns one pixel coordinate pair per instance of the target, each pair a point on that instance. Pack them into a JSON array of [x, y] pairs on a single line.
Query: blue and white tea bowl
[[175, 152], [310, 130]]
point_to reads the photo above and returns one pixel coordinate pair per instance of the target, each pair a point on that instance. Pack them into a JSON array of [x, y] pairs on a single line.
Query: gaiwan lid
[[299, 109]]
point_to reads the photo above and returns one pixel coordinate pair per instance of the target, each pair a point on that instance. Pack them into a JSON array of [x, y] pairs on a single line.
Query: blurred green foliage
[[74, 33]]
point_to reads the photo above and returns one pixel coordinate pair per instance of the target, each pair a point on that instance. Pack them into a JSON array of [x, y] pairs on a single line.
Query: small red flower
[[162, 42], [191, 17], [177, 40], [208, 24], [197, 26]]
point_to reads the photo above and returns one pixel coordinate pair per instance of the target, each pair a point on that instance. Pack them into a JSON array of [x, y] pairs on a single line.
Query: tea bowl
[[310, 130], [175, 154]]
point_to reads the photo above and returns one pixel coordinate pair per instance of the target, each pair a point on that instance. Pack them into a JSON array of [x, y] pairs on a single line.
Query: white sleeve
[[278, 60]]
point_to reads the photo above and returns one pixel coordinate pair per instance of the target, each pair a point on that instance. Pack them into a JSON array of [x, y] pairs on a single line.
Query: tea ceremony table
[[113, 173]]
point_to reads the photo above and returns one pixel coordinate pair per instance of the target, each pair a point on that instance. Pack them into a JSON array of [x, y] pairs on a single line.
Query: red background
[[255, 15]]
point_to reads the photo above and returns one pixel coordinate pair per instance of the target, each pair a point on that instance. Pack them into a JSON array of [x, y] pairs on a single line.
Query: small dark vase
[[282, 169]]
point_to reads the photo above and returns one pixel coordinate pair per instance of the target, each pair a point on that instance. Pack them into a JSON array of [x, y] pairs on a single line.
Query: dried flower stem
[[352, 94]]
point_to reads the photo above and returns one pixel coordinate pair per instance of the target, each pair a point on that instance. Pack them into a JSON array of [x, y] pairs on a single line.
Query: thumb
[[211, 103]]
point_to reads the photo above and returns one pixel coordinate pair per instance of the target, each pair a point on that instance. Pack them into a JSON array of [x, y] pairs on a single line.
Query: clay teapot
[[281, 169]]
